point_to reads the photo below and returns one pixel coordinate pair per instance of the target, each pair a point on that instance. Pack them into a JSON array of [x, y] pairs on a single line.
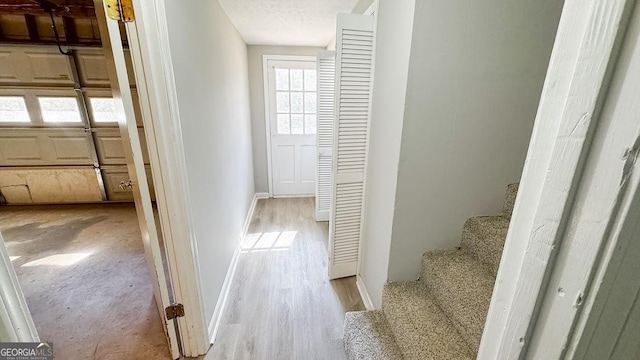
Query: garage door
[[59, 136]]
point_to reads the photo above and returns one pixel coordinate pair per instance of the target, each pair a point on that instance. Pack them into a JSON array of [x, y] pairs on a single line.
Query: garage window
[[103, 110], [59, 109], [13, 110]]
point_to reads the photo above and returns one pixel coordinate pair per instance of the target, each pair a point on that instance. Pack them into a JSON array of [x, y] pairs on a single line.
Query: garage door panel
[[49, 185], [8, 71], [48, 68], [113, 175], [31, 66], [20, 148], [71, 149], [110, 149], [32, 147], [93, 68]]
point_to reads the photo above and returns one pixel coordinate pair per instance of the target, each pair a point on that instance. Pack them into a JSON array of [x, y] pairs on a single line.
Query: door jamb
[[580, 70], [267, 102], [149, 47], [16, 323]]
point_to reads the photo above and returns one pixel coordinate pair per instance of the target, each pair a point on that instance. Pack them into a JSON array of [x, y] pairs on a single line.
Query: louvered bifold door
[[354, 66], [326, 97]]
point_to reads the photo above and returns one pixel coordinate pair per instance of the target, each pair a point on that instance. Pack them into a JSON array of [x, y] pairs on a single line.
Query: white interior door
[[354, 68], [292, 116], [119, 78]]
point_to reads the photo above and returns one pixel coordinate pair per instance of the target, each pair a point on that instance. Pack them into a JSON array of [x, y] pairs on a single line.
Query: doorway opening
[[291, 115], [68, 218]]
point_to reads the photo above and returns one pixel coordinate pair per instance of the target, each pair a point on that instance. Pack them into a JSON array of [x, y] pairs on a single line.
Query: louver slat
[[326, 70], [354, 64]]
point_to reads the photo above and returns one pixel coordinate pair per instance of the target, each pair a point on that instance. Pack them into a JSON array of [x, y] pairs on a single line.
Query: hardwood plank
[[282, 304]]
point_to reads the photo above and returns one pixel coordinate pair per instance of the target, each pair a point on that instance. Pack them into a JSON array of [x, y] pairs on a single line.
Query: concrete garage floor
[[82, 269]]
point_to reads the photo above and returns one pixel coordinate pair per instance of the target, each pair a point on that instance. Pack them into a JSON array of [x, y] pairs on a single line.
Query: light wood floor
[[83, 271], [282, 304]]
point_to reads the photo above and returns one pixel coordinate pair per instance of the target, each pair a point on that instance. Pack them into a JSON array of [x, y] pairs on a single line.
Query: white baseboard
[[252, 208], [322, 215], [214, 324], [262, 195], [364, 294], [293, 196]]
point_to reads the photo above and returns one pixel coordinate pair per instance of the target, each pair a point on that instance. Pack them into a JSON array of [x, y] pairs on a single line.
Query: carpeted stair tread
[[510, 200], [421, 329], [483, 237], [367, 335], [462, 287]]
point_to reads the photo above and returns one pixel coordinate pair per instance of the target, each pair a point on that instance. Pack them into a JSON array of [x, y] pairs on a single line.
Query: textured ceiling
[[286, 22]]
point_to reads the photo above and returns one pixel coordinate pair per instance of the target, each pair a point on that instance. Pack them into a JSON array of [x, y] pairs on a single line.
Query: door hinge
[[174, 311], [121, 10]]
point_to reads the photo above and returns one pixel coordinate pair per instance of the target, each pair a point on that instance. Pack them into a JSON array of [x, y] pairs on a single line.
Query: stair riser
[[487, 251], [421, 329], [510, 199], [466, 304]]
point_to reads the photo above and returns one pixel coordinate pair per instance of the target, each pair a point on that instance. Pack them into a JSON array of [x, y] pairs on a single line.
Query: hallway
[[282, 305]]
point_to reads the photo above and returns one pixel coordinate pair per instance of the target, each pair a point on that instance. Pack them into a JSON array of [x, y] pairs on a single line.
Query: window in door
[[296, 101], [291, 97]]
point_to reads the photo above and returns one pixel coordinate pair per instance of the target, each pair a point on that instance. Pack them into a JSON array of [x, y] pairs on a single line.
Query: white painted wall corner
[[364, 294]]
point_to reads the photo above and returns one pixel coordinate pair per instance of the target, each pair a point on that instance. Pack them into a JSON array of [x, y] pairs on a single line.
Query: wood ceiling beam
[[32, 27], [70, 31], [71, 8]]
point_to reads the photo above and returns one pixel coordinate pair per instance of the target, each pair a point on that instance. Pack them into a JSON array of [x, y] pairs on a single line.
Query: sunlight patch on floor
[[59, 259], [268, 241]]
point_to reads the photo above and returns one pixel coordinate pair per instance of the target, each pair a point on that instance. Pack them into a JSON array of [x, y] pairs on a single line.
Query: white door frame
[[119, 78], [16, 323], [148, 39], [149, 46], [550, 207], [267, 103]]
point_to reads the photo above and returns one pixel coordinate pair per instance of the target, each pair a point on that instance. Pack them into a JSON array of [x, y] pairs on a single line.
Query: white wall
[[363, 5], [393, 45], [258, 123], [210, 67], [475, 77]]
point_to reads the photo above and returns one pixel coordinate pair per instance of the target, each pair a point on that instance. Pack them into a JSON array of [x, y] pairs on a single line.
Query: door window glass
[[296, 101]]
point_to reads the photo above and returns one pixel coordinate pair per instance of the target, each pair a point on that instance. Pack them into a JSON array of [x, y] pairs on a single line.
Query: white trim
[[152, 56], [267, 102], [293, 196], [577, 82], [216, 319], [364, 294], [262, 195], [247, 219], [363, 218], [16, 324], [214, 324]]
